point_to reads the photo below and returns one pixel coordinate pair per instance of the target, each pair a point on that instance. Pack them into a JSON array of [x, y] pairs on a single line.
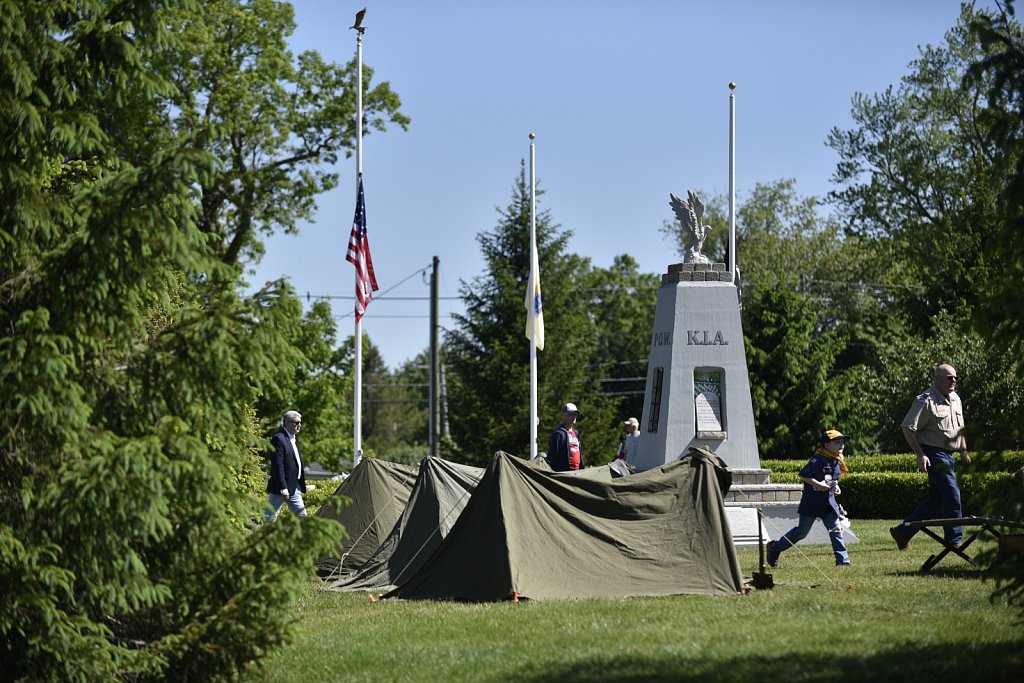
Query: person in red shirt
[[564, 452]]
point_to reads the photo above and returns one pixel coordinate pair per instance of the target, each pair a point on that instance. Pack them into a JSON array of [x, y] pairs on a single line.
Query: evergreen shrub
[[892, 487]]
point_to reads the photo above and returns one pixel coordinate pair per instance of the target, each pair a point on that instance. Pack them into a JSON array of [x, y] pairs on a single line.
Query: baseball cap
[[632, 421], [571, 408], [832, 435]]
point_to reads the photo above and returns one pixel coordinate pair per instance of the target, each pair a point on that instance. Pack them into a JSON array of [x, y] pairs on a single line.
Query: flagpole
[[732, 182], [357, 400], [533, 344]]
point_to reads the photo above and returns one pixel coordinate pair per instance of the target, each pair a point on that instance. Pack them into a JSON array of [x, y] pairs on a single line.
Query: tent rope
[[437, 530], [336, 571]]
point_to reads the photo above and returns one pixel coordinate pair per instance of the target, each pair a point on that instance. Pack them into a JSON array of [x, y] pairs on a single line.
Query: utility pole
[[434, 438], [445, 427]]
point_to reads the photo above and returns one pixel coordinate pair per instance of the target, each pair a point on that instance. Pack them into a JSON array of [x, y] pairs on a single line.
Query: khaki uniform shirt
[[936, 418]]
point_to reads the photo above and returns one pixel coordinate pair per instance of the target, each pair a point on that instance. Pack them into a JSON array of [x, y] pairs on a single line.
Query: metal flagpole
[[533, 341], [732, 182], [357, 399]]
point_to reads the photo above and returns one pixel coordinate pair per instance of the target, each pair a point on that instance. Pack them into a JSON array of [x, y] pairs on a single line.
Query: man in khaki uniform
[[933, 427]]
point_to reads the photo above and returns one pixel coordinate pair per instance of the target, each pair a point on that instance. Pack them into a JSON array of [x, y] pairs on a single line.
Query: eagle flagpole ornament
[[359, 22], [690, 214]]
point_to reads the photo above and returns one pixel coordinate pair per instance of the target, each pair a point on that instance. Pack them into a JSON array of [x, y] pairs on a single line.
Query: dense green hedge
[[906, 462], [894, 489]]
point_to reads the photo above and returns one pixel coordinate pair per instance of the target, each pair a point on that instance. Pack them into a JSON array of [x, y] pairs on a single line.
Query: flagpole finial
[[732, 85], [358, 25], [532, 136]]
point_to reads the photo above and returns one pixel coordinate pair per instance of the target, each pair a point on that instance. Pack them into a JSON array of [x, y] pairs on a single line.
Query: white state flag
[[534, 312]]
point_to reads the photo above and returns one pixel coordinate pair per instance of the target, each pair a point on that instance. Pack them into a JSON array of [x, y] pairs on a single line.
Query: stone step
[[764, 493], [764, 505], [741, 476]]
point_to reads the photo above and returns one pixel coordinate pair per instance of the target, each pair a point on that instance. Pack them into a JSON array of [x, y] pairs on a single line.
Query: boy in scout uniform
[[933, 427]]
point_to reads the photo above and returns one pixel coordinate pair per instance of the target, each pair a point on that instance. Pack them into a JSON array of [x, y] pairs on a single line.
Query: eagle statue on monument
[[690, 213]]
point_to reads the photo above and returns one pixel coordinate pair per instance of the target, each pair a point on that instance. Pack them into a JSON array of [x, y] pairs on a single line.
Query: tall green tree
[[621, 303], [1002, 69], [395, 412], [993, 397], [916, 172], [273, 120], [790, 358], [787, 239], [928, 174], [488, 354], [128, 364], [313, 376], [999, 75]]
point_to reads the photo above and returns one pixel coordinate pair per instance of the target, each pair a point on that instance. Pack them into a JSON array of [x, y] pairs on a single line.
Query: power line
[[396, 400], [379, 297], [383, 316], [419, 271], [630, 290]]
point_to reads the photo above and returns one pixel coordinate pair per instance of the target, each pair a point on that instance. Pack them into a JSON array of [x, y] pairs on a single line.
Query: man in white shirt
[[631, 443], [287, 482]]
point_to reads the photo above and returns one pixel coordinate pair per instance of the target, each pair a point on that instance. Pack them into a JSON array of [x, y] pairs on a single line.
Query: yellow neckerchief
[[835, 456]]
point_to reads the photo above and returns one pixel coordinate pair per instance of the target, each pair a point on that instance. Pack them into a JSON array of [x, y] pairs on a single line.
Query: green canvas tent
[[441, 492], [544, 535], [379, 491], [603, 472]]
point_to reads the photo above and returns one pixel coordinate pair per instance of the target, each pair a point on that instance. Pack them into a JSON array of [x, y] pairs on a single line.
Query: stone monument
[[698, 391]]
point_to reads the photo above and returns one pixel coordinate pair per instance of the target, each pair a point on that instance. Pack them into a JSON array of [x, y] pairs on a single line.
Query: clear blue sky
[[629, 102]]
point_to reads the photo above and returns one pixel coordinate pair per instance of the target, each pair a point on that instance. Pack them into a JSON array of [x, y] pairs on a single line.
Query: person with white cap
[[630, 445], [564, 452], [818, 500]]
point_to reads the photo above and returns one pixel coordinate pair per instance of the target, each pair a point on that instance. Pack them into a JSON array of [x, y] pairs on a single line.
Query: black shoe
[[773, 554], [842, 564], [900, 536]]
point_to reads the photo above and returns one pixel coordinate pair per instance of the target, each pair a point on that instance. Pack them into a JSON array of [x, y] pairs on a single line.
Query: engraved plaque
[[707, 398]]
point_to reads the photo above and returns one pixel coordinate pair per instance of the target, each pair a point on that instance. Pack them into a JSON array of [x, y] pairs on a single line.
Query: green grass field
[[879, 620]]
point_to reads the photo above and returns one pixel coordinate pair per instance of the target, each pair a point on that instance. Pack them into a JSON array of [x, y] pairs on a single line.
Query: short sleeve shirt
[[819, 503], [632, 448], [937, 419]]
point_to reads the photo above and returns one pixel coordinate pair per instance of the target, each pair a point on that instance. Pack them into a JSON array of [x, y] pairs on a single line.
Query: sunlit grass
[[877, 620]]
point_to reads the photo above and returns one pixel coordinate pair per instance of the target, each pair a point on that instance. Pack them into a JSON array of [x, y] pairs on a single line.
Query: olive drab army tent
[[379, 491], [602, 472], [441, 492], [542, 535]]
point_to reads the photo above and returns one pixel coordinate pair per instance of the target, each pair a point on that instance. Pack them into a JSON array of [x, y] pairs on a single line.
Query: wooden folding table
[[980, 525]]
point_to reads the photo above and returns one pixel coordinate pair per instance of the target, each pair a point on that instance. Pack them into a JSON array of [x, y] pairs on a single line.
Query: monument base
[[777, 519]]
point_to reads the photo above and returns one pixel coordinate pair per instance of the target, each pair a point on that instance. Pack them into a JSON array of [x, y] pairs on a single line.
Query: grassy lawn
[[879, 620]]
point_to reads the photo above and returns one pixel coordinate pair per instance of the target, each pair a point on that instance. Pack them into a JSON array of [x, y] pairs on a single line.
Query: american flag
[[359, 256]]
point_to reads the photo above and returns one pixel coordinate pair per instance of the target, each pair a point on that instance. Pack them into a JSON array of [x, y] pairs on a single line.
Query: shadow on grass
[[907, 663], [961, 572], [979, 571]]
